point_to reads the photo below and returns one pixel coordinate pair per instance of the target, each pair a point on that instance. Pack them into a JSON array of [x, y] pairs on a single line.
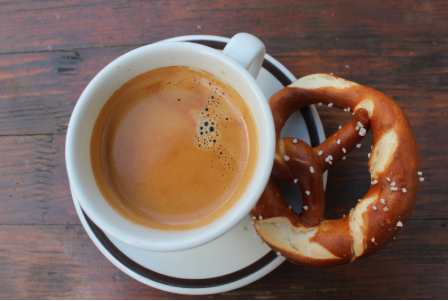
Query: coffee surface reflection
[[174, 148]]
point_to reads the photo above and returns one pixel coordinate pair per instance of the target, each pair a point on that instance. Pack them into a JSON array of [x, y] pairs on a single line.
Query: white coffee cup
[[237, 66]]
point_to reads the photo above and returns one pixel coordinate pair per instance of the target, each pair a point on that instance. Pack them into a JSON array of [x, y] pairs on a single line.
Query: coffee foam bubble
[[212, 119]]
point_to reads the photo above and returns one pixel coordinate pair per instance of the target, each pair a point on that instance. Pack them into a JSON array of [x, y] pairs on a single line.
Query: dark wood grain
[[50, 50], [34, 187], [54, 25]]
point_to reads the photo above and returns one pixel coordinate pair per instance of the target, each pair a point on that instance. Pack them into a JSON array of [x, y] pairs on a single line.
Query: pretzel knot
[[394, 165]]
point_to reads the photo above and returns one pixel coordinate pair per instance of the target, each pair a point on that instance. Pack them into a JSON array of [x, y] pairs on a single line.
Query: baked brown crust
[[394, 162]]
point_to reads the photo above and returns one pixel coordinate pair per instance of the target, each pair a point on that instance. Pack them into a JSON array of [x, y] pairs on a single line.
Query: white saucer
[[238, 257]]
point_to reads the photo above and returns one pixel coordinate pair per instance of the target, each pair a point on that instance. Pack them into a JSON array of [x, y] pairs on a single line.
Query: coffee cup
[[237, 66]]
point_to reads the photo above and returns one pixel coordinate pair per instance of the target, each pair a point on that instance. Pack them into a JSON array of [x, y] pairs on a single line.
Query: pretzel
[[394, 166]]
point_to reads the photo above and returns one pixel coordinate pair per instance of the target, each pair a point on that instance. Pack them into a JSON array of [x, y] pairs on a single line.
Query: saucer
[[238, 257]]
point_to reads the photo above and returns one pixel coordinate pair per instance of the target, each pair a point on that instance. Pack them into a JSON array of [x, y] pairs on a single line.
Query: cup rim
[[218, 230]]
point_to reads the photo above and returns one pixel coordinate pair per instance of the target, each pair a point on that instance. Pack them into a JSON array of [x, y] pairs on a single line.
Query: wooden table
[[50, 50]]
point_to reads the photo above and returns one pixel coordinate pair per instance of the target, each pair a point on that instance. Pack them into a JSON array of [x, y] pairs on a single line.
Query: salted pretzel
[[394, 166]]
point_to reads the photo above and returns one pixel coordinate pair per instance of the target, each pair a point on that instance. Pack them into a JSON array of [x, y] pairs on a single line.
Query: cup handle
[[248, 51]]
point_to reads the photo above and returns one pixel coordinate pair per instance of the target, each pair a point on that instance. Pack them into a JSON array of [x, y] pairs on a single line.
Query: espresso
[[174, 148]]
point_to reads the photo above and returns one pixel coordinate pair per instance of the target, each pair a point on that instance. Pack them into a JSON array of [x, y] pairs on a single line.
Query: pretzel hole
[[292, 195], [296, 127], [348, 181]]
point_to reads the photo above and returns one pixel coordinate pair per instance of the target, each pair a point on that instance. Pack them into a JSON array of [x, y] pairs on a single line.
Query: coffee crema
[[174, 149]]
